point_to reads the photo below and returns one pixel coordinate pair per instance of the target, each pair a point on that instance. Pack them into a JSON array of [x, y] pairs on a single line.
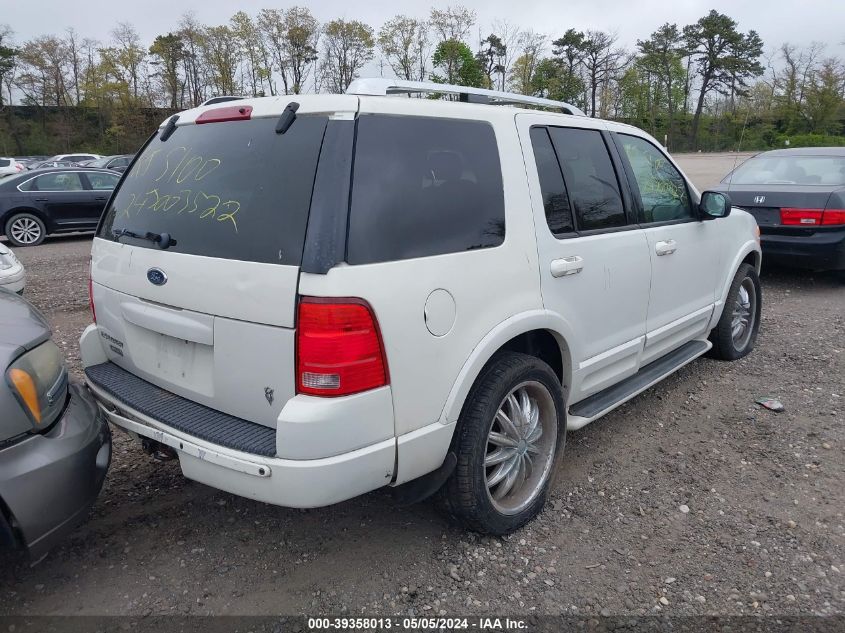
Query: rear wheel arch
[[540, 333]]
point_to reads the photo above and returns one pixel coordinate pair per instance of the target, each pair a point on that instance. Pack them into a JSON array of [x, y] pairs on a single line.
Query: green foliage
[[459, 65]]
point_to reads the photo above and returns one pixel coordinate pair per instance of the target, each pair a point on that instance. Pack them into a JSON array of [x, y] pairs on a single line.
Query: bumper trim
[[255, 469]]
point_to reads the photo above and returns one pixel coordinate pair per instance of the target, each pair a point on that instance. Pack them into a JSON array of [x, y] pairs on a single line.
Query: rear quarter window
[[423, 186], [233, 190]]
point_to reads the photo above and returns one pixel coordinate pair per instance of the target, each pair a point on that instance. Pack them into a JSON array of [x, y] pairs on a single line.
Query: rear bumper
[[824, 249], [285, 482], [49, 482]]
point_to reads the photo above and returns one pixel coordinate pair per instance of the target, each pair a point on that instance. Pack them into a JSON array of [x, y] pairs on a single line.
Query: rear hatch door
[[211, 316]]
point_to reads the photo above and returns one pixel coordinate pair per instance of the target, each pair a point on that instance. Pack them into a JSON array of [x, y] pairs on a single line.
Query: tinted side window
[[102, 181], [61, 181], [590, 178], [423, 186], [662, 188], [4, 162], [555, 198]]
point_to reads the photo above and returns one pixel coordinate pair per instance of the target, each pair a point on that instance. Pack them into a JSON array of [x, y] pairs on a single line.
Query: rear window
[[423, 186], [232, 190], [790, 170]]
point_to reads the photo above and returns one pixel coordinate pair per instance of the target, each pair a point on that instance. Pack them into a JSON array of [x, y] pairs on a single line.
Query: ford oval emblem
[[156, 276]]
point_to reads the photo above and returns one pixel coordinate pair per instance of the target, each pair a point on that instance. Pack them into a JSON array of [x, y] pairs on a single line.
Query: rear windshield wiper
[[162, 240]]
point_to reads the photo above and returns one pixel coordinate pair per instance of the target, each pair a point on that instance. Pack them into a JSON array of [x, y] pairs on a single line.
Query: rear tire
[[508, 441], [25, 229], [735, 334]]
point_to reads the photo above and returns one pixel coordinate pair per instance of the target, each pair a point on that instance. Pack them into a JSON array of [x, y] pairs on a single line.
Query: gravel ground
[[689, 499]]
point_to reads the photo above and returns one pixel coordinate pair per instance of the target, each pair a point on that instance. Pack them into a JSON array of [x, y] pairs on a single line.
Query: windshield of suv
[[233, 190], [790, 170]]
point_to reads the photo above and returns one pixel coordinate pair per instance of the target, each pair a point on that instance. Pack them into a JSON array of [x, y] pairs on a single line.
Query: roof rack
[[380, 86], [220, 99]]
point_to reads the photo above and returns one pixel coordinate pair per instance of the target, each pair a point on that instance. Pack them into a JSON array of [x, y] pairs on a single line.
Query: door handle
[[666, 247], [567, 266], [100, 198], [42, 199]]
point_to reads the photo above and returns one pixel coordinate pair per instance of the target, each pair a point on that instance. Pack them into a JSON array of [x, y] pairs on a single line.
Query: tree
[[253, 73], [508, 34], [724, 57], [491, 58], [405, 44], [460, 66], [220, 52], [8, 55], [661, 56], [167, 52], [195, 70], [452, 23], [602, 62], [127, 55], [291, 37], [521, 76], [347, 47], [825, 97]]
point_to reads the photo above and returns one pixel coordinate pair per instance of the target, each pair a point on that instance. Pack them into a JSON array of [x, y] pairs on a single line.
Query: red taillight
[[833, 216], [800, 217], [229, 113], [91, 298], [338, 348]]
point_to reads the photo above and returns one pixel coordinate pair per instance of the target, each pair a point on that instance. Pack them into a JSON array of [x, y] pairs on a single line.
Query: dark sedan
[[62, 200], [55, 445], [798, 199]]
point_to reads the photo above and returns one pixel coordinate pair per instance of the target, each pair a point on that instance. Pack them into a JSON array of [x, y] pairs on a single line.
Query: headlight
[[39, 380], [6, 261]]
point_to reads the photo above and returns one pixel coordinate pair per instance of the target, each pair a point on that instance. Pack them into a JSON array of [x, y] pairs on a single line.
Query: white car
[[10, 167], [74, 158], [12, 274], [307, 298]]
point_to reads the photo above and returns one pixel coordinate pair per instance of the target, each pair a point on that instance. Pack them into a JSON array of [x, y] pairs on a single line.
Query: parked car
[[39, 203], [115, 163], [12, 274], [74, 158], [10, 167], [55, 446], [303, 306], [47, 164], [797, 197]]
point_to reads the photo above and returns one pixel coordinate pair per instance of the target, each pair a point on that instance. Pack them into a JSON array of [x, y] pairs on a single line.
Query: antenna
[[738, 147]]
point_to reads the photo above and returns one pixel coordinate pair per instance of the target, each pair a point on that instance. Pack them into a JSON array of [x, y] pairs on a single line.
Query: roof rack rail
[[220, 99], [381, 86]]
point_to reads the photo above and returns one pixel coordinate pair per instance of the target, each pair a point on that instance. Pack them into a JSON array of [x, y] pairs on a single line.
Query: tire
[[735, 334], [25, 229], [468, 496]]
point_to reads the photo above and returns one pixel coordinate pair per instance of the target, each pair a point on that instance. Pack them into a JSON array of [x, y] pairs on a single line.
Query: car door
[[99, 186], [62, 196], [685, 252], [594, 263]]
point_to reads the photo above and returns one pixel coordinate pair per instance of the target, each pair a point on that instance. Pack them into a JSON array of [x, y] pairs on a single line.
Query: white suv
[[307, 301]]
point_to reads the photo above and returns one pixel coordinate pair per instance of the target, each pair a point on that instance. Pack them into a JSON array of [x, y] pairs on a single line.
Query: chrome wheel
[[25, 230], [520, 447], [744, 314]]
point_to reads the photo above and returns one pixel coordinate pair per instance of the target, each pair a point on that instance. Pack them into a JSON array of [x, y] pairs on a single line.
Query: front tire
[[509, 436], [25, 229], [735, 334]]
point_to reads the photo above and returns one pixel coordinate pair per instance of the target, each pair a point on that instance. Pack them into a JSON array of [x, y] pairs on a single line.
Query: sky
[[799, 22]]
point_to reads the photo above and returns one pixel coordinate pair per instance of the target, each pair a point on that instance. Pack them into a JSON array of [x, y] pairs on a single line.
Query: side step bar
[[589, 409]]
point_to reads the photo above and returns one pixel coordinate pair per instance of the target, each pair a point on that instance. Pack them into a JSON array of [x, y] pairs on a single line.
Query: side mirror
[[714, 204]]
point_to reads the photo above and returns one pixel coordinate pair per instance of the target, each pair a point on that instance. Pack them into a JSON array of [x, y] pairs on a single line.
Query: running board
[[589, 409]]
